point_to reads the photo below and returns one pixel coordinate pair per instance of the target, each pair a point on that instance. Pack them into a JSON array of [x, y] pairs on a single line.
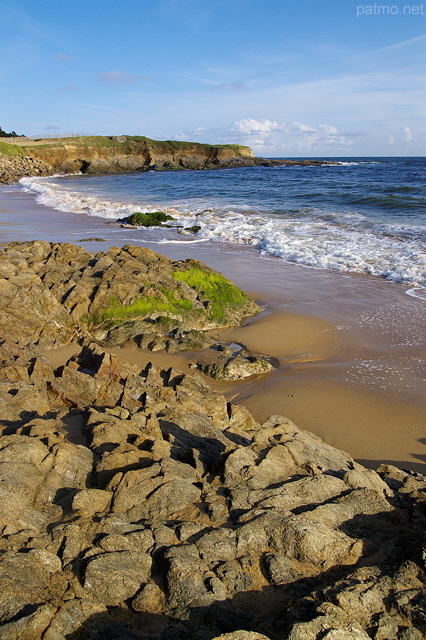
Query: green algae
[[150, 219], [222, 294]]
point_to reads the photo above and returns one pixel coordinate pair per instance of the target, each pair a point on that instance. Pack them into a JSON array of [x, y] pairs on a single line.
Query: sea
[[358, 215]]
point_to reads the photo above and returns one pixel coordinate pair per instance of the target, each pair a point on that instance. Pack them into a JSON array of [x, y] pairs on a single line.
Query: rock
[[237, 367], [316, 543], [29, 626], [91, 501], [71, 616], [26, 581], [116, 576], [124, 294], [140, 504], [332, 626], [150, 599], [185, 570], [142, 494], [241, 635], [13, 168], [281, 569]]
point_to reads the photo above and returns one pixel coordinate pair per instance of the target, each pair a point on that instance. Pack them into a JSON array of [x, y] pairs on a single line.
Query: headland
[[21, 156]]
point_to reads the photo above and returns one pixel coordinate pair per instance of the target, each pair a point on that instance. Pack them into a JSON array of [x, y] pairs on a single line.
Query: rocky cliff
[[117, 154], [140, 505], [99, 154]]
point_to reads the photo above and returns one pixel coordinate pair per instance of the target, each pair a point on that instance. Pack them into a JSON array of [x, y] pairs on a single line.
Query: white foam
[[343, 241], [328, 244], [417, 292], [56, 197], [168, 241]]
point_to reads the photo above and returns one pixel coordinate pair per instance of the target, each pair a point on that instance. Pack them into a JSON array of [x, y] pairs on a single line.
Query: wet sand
[[350, 348]]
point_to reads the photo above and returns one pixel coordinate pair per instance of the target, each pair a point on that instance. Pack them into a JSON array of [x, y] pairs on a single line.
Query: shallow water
[[365, 215]]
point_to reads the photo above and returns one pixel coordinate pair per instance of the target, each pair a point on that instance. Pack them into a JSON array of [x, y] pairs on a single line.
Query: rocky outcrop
[[118, 154], [140, 504], [54, 294], [13, 168], [99, 154]]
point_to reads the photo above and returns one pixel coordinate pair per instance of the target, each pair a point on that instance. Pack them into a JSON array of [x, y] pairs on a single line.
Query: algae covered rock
[[55, 292], [150, 219]]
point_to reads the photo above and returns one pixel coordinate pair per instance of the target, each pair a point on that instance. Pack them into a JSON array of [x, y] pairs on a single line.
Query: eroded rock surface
[[236, 364], [141, 505], [53, 294]]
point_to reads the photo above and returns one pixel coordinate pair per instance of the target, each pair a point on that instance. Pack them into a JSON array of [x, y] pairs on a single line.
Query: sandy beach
[[348, 350]]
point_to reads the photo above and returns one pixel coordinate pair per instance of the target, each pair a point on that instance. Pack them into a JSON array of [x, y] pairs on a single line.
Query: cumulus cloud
[[250, 126], [407, 134], [298, 138], [273, 138], [120, 77], [307, 136]]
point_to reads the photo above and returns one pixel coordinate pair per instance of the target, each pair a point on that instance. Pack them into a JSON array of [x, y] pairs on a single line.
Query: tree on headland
[[12, 134]]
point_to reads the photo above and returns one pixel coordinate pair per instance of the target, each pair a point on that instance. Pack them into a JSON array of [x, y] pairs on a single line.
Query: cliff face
[[98, 154], [21, 157]]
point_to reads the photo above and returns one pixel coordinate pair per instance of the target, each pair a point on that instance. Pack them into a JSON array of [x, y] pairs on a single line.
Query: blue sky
[[286, 77]]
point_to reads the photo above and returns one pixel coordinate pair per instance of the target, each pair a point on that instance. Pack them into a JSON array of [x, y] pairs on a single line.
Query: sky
[[289, 78]]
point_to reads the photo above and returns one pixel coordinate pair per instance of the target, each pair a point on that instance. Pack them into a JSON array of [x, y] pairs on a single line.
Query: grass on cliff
[[145, 306], [89, 142], [97, 142], [183, 144], [11, 150], [221, 292]]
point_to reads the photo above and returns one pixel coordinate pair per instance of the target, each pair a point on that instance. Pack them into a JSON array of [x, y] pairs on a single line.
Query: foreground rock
[[141, 505], [54, 294], [235, 364]]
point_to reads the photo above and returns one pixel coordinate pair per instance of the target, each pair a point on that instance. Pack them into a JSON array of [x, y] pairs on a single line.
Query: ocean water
[[362, 215]]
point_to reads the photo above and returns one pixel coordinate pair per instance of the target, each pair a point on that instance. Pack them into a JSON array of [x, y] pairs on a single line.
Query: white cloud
[[407, 134], [250, 126], [292, 137], [275, 138], [272, 138]]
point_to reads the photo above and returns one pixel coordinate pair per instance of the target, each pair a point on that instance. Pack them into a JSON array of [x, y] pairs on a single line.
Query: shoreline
[[340, 338]]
